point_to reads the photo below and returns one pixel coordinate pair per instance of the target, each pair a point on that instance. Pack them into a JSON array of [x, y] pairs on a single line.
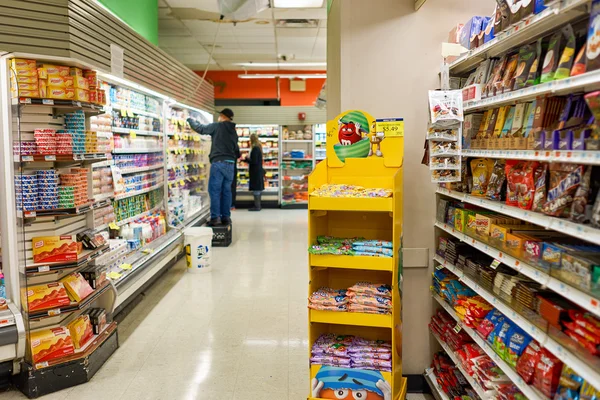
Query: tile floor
[[239, 332]]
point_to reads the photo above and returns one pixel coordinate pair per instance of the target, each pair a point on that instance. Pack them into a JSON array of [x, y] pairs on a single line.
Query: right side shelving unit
[[519, 235]]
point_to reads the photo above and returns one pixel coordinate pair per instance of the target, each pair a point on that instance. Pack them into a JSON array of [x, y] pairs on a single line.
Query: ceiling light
[[297, 3], [283, 76], [283, 64]]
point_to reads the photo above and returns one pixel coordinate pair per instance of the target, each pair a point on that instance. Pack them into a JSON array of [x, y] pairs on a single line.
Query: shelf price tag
[[125, 266], [185, 167], [176, 137], [130, 113], [182, 183], [148, 251], [458, 327], [495, 264], [123, 112], [52, 313], [114, 275], [114, 226], [132, 134], [392, 127]]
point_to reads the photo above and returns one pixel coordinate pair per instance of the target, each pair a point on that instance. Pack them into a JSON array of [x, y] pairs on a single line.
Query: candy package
[[371, 289], [588, 392], [517, 343], [580, 211], [513, 172], [489, 322], [526, 186], [580, 61], [539, 196], [527, 363], [442, 133], [446, 106], [497, 179], [481, 169], [569, 385], [534, 72], [547, 373], [564, 181], [552, 57], [568, 55], [527, 56]]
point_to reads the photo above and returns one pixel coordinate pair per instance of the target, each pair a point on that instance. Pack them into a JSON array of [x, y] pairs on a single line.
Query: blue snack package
[[517, 343], [569, 385], [588, 392]]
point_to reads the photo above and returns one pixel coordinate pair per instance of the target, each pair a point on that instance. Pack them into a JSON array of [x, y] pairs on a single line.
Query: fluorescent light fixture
[[131, 85], [284, 76], [283, 64], [297, 3]]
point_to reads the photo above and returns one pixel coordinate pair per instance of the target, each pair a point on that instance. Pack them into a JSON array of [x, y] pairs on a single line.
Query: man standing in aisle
[[224, 150]]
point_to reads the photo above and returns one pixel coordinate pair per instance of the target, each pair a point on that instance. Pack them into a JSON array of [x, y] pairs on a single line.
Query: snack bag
[[489, 323], [552, 57], [579, 209], [481, 169], [497, 178], [569, 385], [526, 187], [564, 181], [547, 373], [534, 72], [501, 341], [588, 392], [527, 57], [539, 197], [446, 106], [513, 177], [527, 362], [517, 343], [568, 55], [580, 61]]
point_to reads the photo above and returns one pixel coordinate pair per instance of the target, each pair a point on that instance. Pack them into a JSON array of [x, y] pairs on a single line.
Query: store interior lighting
[[297, 3], [282, 65], [284, 76]]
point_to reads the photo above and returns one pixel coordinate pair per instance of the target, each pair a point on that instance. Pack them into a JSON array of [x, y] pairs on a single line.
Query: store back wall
[[390, 58]]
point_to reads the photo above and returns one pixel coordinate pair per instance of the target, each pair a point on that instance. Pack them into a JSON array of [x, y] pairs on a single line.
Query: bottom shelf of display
[[69, 371], [351, 318]]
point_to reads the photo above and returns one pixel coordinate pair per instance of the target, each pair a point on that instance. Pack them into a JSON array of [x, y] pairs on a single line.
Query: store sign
[[392, 127]]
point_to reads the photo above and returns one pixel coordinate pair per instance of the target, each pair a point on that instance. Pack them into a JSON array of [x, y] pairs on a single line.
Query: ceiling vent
[[297, 23]]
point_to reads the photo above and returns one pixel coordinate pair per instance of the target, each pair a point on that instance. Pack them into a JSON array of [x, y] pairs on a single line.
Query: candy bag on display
[[517, 343], [564, 181], [526, 187], [579, 209], [547, 373], [446, 106], [527, 363], [497, 179], [539, 197], [481, 168], [514, 170], [569, 385]]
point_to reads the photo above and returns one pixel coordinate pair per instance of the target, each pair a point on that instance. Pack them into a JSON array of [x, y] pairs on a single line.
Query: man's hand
[[385, 388], [318, 385]]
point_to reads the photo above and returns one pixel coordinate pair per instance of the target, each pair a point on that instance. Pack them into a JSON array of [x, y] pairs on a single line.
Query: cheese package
[[60, 81], [81, 331], [80, 82], [61, 93], [46, 296], [77, 287], [56, 70], [49, 344], [55, 248]]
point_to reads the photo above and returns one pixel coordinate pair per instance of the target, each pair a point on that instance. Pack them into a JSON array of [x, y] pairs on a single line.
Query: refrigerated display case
[[84, 219], [297, 163], [320, 139]]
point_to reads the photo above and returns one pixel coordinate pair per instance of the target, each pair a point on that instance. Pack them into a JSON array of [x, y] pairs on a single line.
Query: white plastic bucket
[[198, 244]]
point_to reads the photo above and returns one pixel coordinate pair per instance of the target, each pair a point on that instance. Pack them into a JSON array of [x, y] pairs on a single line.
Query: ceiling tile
[[247, 39], [208, 27], [174, 42], [297, 32], [165, 24], [206, 5], [209, 39], [174, 32], [296, 42], [307, 13], [250, 57]]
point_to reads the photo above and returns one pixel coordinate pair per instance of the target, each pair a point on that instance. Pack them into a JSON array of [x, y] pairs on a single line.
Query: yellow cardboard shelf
[[350, 204], [351, 318], [353, 262]]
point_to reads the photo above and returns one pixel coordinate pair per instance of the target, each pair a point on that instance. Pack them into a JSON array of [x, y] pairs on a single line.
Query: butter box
[[46, 296], [49, 344], [61, 93], [77, 287], [81, 331], [55, 248]]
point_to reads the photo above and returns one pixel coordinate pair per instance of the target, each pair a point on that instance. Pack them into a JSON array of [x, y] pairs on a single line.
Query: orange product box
[[55, 248], [28, 93], [27, 86], [20, 63], [81, 331], [56, 70], [80, 82], [43, 87], [50, 344], [82, 95], [27, 79], [46, 296], [61, 93], [60, 81], [74, 71], [26, 72], [42, 73], [77, 287]]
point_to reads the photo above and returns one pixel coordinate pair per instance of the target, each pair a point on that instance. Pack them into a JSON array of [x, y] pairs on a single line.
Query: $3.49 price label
[[391, 127]]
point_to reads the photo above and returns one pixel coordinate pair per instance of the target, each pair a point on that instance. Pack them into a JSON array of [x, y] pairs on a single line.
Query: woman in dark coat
[[257, 173]]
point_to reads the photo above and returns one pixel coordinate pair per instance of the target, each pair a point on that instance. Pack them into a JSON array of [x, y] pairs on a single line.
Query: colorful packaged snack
[[564, 181], [517, 343], [526, 364], [533, 78], [593, 38], [583, 342], [527, 57], [446, 106], [377, 243], [49, 344], [371, 289], [588, 392], [579, 209], [481, 169], [586, 321], [526, 186], [514, 170], [496, 182], [552, 57], [569, 385], [501, 340], [77, 287], [539, 197], [580, 61], [489, 323], [81, 331], [568, 55], [547, 373], [508, 82], [55, 248], [46, 296], [587, 335]]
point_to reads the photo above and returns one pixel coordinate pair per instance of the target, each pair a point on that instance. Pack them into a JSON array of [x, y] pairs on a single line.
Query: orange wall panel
[[229, 86]]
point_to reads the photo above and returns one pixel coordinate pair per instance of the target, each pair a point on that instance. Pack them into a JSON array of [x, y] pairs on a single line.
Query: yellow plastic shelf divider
[[350, 204], [351, 318], [353, 262]]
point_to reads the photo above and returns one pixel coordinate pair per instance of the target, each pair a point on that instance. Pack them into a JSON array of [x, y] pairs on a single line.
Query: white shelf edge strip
[[576, 230], [129, 194], [527, 390], [574, 295], [435, 386], [456, 362], [580, 366], [140, 169], [588, 157]]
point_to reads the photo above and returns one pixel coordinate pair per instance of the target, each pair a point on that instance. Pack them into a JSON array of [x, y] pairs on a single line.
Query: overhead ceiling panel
[[297, 32], [177, 41], [307, 13], [208, 5]]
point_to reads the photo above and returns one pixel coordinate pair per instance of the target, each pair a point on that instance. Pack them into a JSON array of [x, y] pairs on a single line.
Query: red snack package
[[539, 197], [526, 186], [588, 346], [528, 360], [586, 321], [589, 336], [547, 373], [564, 181], [513, 178]]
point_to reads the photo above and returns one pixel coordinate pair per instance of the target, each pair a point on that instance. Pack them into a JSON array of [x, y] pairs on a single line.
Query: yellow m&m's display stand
[[355, 202]]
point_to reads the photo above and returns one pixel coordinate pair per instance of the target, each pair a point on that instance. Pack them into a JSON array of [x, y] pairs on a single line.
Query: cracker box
[[56, 70], [81, 331], [60, 81], [26, 79], [82, 95], [61, 93], [55, 248], [80, 82], [27, 93], [77, 287], [49, 344], [46, 296], [20, 64], [74, 71]]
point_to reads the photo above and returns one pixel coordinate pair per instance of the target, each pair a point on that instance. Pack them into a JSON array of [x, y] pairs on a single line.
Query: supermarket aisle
[[239, 332]]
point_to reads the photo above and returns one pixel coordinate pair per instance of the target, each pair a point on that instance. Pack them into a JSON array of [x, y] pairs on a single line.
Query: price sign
[[130, 113], [458, 327], [114, 275], [495, 264], [125, 266], [52, 313], [147, 251], [48, 102], [123, 112], [391, 127], [44, 268], [50, 158], [114, 226], [132, 134]]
